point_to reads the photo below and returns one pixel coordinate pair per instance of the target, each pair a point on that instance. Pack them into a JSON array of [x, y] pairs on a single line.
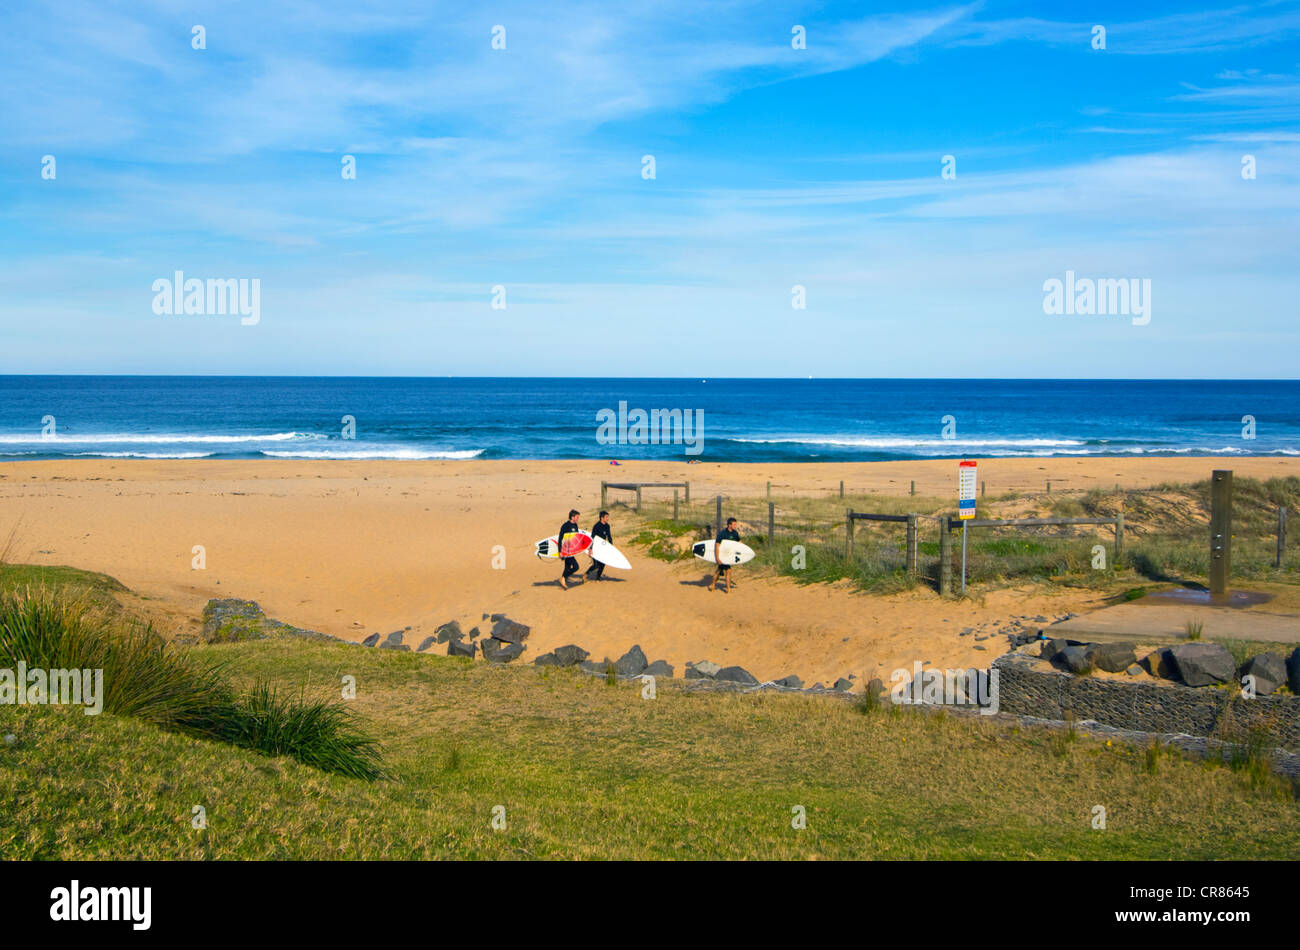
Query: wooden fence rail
[[637, 486]]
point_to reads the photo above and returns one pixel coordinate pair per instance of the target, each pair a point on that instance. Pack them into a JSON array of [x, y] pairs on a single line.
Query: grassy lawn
[[589, 770]]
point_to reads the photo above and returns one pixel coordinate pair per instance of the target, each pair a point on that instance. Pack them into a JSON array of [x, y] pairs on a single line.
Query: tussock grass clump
[[1152, 754], [143, 677], [147, 679], [316, 733], [870, 704], [1253, 757], [1062, 739]]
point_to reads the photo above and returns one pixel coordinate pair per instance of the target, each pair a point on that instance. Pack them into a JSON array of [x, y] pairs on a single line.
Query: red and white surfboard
[[573, 544]]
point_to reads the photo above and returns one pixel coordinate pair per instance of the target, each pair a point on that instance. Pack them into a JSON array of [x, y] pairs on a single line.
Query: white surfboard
[[733, 552], [604, 552]]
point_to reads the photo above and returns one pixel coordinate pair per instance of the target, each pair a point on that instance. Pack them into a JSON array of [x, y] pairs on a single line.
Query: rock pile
[[232, 620], [1191, 664]]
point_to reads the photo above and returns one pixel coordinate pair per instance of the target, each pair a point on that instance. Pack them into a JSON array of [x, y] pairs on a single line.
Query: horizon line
[[1017, 379]]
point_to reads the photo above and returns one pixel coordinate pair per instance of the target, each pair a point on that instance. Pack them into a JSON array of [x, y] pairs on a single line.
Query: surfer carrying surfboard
[[600, 529], [729, 533], [570, 563]]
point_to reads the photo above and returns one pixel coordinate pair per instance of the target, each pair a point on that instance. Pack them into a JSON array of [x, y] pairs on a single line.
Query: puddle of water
[[1185, 595]]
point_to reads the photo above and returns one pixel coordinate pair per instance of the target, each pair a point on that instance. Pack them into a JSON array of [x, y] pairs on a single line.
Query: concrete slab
[[1150, 620]]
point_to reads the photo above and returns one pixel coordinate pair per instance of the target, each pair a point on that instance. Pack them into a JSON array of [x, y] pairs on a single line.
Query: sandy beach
[[355, 548]]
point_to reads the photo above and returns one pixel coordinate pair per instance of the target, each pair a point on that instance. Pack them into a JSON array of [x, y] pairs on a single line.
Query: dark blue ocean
[[744, 420]]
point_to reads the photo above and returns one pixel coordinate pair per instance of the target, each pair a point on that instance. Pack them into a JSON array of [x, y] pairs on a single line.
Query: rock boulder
[[509, 631], [1269, 671], [632, 663], [736, 674], [1203, 664]]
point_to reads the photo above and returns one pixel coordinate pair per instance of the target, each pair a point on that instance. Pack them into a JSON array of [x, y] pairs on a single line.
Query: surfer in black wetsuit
[[729, 533], [600, 529], [570, 563]]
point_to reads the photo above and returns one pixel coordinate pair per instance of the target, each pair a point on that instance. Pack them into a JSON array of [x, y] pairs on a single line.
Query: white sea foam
[[133, 438], [888, 442], [143, 455], [380, 453]]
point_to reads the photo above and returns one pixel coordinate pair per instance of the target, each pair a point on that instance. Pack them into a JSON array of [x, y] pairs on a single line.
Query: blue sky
[[775, 167]]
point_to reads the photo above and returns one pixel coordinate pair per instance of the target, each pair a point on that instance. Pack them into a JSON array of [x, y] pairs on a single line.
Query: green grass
[[90, 587], [586, 770], [147, 679]]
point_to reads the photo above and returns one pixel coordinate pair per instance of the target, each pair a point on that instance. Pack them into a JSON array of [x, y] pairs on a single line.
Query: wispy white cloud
[[1236, 27]]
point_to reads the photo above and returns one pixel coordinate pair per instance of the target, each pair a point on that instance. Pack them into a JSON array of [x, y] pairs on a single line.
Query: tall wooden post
[[771, 520], [719, 509], [1220, 533], [688, 493], [1049, 486], [638, 499], [914, 486], [848, 532], [1281, 535], [911, 543], [841, 488], [604, 488], [982, 485], [945, 557], [674, 504], [769, 489], [1119, 535]]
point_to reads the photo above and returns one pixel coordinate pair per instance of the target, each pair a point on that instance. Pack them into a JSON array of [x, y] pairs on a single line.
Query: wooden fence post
[[719, 504], [841, 488], [914, 486], [638, 499], [1049, 486], [945, 557], [771, 521], [1281, 534], [1119, 535], [982, 486], [848, 532], [674, 504], [911, 543], [603, 491], [688, 493]]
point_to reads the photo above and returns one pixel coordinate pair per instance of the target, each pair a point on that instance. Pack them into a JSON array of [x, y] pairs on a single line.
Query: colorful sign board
[[966, 482]]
